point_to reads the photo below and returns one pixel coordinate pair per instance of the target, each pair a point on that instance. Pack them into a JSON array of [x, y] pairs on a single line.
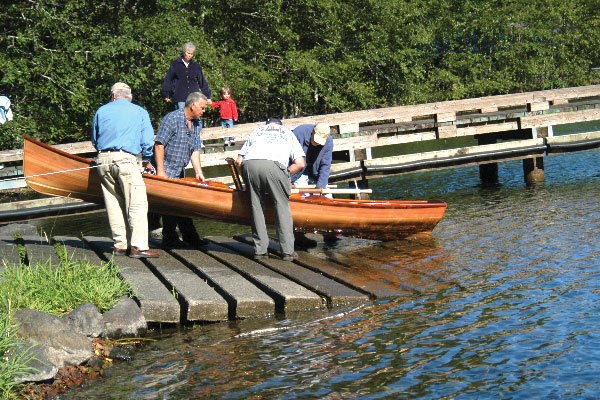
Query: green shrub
[[13, 365], [60, 289]]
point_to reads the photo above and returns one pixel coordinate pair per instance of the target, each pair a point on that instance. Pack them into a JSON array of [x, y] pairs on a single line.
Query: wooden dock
[[219, 281], [498, 128]]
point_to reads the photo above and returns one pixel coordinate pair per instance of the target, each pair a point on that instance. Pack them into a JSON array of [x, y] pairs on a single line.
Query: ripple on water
[[502, 302]]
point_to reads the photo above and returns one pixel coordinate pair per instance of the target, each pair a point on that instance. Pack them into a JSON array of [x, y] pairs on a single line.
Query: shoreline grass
[[12, 361], [55, 289]]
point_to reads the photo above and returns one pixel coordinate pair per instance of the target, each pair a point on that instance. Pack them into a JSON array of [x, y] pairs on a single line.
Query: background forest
[[288, 58]]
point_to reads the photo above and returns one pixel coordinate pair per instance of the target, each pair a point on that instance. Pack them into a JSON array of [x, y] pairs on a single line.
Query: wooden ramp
[[217, 282]]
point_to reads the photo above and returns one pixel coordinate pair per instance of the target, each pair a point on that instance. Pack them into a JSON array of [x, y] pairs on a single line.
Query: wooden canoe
[[54, 172]]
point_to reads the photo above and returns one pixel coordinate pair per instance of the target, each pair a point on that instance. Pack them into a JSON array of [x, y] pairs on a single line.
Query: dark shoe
[[330, 238], [261, 256], [174, 243], [198, 242], [119, 252], [303, 242], [289, 257], [135, 253]]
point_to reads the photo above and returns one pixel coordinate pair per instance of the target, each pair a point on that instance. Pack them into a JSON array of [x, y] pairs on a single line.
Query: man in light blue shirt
[[121, 130]]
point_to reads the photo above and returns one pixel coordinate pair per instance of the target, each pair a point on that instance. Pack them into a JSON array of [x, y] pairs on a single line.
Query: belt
[[113, 151]]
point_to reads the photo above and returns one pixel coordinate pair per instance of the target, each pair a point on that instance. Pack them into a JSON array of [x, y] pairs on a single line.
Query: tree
[[284, 58]]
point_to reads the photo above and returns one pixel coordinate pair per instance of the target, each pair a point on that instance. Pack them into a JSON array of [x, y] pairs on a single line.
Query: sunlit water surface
[[503, 302]]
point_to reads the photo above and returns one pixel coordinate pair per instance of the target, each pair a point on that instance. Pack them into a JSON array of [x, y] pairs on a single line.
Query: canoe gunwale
[[215, 200]]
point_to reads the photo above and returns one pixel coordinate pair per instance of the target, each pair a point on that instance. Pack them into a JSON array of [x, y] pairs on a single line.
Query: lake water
[[505, 305]]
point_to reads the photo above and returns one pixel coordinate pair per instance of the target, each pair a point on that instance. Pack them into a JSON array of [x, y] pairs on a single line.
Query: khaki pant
[[125, 199]]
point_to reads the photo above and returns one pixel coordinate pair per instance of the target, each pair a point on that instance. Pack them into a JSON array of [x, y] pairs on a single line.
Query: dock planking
[[38, 250], [335, 293], [199, 301], [341, 274], [244, 298], [76, 249], [288, 295], [9, 254], [220, 281], [157, 303]]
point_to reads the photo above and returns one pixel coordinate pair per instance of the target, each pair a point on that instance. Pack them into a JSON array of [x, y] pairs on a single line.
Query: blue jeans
[[226, 123], [302, 179]]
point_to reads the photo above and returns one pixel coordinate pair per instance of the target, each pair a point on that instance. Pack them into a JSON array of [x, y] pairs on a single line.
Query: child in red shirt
[[228, 112]]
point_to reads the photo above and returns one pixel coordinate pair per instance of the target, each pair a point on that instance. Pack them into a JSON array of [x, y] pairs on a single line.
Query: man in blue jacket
[[317, 144], [184, 76]]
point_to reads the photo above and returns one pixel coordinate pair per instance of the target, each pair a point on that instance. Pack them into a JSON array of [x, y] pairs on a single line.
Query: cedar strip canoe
[[54, 172]]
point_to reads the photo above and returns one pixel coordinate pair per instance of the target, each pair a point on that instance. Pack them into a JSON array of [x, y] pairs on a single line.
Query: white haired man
[[120, 131]]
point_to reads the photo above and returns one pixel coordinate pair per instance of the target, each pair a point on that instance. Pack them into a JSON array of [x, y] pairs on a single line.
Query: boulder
[[124, 319], [86, 319], [59, 342], [37, 367]]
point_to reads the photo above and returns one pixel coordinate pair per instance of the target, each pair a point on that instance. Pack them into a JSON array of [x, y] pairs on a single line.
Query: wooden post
[[488, 173], [362, 155], [533, 170]]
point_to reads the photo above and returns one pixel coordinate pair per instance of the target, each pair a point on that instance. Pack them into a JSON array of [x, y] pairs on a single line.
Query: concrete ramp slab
[[336, 293], [245, 299], [288, 295], [199, 300]]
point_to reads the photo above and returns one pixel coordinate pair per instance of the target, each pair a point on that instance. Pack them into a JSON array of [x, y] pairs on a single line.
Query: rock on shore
[[58, 342]]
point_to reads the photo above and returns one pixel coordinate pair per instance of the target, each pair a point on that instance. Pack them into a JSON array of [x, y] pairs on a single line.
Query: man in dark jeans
[[176, 144]]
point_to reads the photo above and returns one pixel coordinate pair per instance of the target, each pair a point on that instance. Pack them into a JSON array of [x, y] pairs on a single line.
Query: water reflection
[[502, 302]]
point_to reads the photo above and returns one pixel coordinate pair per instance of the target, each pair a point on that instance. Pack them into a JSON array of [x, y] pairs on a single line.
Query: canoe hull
[[54, 172]]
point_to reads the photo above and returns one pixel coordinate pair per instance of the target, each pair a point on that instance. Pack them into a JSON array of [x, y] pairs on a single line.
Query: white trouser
[[125, 199]]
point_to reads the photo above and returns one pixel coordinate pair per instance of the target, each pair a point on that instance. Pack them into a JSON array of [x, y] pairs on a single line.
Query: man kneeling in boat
[[120, 131], [317, 144]]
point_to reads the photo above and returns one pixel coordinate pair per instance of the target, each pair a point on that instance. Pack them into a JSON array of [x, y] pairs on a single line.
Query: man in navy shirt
[[317, 144], [120, 131]]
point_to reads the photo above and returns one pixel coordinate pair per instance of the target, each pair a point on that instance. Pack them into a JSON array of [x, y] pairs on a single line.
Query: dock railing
[[511, 126]]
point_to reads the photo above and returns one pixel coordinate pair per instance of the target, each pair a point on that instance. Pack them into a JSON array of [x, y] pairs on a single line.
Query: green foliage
[[14, 359], [60, 289], [284, 58]]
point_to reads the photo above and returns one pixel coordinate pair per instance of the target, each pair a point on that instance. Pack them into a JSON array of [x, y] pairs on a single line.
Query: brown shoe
[[136, 253], [119, 252]]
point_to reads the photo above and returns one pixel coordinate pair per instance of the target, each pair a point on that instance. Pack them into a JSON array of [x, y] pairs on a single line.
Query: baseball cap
[[321, 133], [274, 120]]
